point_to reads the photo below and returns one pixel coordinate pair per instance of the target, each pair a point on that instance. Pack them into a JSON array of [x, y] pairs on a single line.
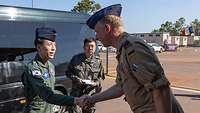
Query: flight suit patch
[[36, 73], [52, 72], [134, 67], [46, 75]]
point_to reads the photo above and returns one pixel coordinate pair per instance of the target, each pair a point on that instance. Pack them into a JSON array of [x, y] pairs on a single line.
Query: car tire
[[161, 50]]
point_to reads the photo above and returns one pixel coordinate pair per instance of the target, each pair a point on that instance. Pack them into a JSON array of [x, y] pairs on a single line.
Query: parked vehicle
[[156, 47], [17, 26], [171, 47]]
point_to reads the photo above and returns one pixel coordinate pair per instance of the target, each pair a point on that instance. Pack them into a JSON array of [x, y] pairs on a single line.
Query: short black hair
[[88, 40]]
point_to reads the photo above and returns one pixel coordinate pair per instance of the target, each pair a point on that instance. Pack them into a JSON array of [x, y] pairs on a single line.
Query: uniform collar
[[122, 39], [39, 61], [90, 59]]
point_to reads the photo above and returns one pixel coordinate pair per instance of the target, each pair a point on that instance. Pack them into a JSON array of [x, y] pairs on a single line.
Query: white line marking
[[173, 87], [186, 89]]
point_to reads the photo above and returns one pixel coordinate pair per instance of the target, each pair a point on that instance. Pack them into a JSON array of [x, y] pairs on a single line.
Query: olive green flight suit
[[39, 81], [85, 68], [138, 73]]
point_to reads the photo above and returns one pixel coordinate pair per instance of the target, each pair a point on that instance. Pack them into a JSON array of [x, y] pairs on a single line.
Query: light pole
[[32, 3]]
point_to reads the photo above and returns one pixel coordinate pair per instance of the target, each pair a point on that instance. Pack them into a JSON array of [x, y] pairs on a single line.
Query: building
[[154, 37], [160, 38]]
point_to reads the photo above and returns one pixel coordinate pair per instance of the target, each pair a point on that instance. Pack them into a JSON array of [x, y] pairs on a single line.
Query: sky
[[138, 15]]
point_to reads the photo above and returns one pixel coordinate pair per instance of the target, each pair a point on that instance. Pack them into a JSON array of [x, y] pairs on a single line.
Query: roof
[[34, 14]]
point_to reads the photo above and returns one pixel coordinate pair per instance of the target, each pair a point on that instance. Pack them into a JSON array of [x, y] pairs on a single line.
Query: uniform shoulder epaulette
[[126, 44], [34, 65]]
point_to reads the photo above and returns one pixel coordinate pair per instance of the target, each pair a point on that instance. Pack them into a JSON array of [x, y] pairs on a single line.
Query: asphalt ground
[[182, 70]]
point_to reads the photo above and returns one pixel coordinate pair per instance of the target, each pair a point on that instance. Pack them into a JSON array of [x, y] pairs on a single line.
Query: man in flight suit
[[140, 76], [86, 66], [39, 76]]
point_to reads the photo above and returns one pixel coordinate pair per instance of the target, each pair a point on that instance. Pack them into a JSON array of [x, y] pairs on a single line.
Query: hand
[[77, 80], [88, 102], [79, 101]]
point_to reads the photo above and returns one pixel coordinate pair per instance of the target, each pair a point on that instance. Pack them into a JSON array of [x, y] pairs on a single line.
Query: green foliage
[[173, 28], [86, 6], [196, 27]]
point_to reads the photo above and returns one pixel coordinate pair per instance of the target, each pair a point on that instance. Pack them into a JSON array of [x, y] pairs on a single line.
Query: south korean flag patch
[[36, 73]]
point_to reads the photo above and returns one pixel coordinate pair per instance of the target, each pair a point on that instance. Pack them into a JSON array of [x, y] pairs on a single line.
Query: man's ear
[[108, 27], [38, 47]]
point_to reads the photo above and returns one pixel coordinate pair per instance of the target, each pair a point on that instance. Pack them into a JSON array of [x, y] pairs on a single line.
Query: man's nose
[[53, 48]]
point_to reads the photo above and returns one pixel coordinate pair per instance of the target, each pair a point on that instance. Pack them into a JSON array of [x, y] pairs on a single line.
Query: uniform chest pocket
[[94, 72], [78, 69]]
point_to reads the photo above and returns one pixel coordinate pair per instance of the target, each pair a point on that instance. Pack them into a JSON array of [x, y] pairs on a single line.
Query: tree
[[179, 25], [173, 28], [86, 6], [196, 27]]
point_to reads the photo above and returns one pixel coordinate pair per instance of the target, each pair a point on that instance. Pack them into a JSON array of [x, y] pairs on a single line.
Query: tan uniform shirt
[[138, 73]]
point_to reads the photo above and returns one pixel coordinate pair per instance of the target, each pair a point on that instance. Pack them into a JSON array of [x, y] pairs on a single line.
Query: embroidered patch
[[52, 72], [46, 75], [36, 73], [134, 67]]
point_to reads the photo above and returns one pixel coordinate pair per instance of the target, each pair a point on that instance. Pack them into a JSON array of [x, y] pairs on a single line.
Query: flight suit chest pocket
[[78, 69]]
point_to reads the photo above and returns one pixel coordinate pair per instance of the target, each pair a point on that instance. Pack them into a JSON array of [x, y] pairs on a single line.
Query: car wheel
[[161, 50]]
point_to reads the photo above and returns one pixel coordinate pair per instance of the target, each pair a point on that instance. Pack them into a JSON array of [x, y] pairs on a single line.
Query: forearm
[[60, 99], [162, 100], [111, 93]]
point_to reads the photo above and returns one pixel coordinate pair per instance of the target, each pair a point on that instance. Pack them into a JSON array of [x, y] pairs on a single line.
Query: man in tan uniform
[[140, 76]]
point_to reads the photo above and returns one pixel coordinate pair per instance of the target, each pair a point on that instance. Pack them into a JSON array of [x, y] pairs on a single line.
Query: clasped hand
[[85, 102]]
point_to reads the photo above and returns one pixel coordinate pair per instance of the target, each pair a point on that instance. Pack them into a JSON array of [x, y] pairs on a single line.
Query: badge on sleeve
[[134, 67], [36, 73]]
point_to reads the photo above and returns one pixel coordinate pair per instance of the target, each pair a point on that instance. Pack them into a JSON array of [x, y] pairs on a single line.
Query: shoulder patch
[[36, 73]]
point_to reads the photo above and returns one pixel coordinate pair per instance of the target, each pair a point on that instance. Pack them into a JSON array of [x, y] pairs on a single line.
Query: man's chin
[[51, 57]]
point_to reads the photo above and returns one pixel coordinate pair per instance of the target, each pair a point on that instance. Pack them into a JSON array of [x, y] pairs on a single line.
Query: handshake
[[85, 102]]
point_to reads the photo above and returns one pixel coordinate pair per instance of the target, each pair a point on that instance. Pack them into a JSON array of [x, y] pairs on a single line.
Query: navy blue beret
[[110, 10], [45, 33]]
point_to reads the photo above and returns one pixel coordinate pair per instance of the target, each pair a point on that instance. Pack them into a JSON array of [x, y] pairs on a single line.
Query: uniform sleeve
[[45, 92], [69, 72], [102, 75], [118, 78], [145, 67]]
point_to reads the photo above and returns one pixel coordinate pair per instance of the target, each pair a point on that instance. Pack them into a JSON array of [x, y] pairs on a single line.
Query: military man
[[140, 76], [86, 66], [39, 76]]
